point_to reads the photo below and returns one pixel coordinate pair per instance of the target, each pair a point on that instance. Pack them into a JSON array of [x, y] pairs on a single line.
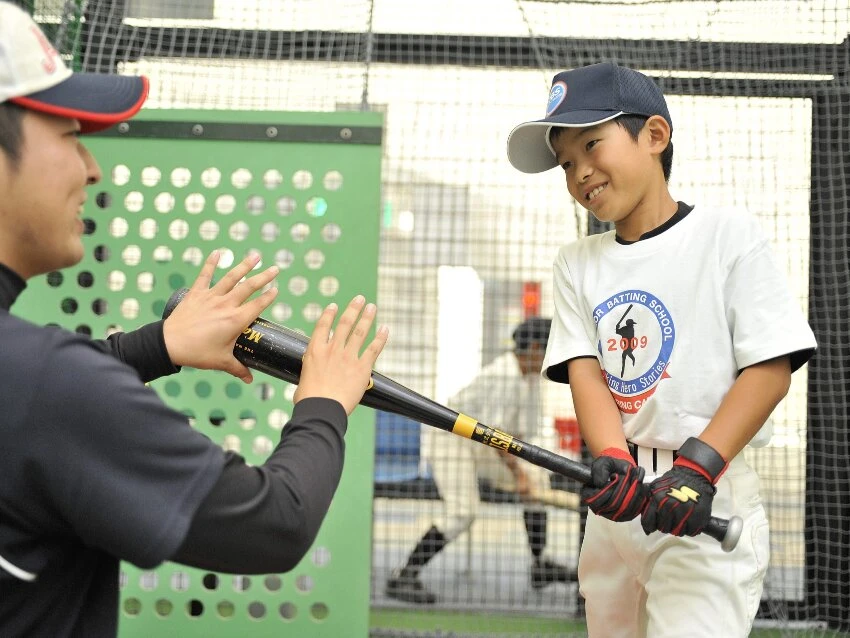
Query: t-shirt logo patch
[[636, 338], [556, 95]]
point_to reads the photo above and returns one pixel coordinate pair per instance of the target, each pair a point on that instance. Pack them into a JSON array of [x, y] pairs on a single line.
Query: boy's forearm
[[598, 416], [747, 405]]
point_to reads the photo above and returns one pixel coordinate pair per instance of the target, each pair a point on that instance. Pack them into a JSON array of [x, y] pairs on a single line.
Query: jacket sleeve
[[143, 350]]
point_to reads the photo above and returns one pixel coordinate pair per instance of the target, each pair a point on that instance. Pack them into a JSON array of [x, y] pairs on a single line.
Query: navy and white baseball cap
[[583, 97], [33, 75]]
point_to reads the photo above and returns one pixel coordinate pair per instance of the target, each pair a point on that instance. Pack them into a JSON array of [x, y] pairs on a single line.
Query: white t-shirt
[[673, 319]]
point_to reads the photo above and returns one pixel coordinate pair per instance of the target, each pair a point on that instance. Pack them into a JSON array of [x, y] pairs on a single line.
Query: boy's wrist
[[700, 457]]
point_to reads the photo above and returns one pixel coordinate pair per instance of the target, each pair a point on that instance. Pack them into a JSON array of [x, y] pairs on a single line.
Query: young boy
[[678, 337], [94, 468]]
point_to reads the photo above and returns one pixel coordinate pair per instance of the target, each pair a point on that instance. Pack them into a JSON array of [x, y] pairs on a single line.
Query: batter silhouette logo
[[636, 339]]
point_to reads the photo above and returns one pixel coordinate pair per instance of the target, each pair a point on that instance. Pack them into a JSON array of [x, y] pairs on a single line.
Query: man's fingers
[[361, 328], [322, 329], [251, 285], [202, 282], [254, 308], [377, 345], [229, 281], [347, 321]]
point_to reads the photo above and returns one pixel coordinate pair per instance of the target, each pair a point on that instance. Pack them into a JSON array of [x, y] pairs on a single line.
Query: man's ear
[[657, 132]]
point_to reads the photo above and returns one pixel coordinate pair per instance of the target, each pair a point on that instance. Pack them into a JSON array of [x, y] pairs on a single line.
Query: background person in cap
[[505, 394], [95, 468], [716, 338]]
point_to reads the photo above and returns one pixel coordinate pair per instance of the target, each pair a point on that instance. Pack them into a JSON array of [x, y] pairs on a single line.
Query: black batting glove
[[616, 490], [680, 499]]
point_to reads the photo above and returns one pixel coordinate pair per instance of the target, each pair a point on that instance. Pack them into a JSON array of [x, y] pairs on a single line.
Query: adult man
[[95, 468]]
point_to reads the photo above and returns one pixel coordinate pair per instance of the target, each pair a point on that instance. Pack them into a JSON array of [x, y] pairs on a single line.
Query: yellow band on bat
[[464, 426], [371, 384]]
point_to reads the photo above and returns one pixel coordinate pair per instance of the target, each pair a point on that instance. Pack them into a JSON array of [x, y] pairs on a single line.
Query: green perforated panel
[[303, 189]]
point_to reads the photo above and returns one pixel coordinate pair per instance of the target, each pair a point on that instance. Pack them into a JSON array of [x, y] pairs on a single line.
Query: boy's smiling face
[[612, 175]]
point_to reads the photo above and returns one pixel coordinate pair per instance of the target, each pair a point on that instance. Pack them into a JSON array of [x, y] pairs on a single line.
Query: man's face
[[41, 200], [607, 171], [531, 360]]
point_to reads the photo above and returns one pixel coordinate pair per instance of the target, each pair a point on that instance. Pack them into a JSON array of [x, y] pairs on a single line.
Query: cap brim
[[97, 100], [529, 150]]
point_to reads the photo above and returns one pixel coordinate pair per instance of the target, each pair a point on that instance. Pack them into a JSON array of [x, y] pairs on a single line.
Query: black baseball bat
[[277, 350]]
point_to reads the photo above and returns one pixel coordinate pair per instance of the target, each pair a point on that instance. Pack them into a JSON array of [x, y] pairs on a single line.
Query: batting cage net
[[759, 94]]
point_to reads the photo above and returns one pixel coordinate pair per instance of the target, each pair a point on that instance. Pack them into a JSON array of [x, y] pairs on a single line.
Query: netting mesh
[[760, 99]]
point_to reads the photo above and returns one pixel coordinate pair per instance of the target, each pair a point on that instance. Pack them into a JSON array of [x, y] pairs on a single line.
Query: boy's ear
[[657, 132]]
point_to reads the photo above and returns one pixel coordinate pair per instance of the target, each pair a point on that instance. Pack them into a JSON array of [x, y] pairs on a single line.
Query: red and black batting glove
[[680, 499], [616, 490]]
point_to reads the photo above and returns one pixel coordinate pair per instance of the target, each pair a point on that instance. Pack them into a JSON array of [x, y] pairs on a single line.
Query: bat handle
[[727, 532]]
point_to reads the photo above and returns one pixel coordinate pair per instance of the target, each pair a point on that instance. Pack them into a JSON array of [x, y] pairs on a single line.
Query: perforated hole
[[257, 610], [314, 259], [272, 178], [162, 254], [277, 419], [195, 203], [130, 308], [328, 286], [118, 227], [241, 178], [148, 228], [319, 611], [262, 446], [120, 175], [269, 231], [211, 177], [283, 258], [321, 556], [151, 176], [208, 230], [317, 207], [285, 206], [298, 285], [302, 179], [255, 205], [304, 583], [288, 611], [238, 231], [281, 311], [299, 232], [331, 233], [178, 229], [332, 180], [312, 311], [180, 177], [164, 203], [131, 255], [134, 201], [225, 204], [193, 255]]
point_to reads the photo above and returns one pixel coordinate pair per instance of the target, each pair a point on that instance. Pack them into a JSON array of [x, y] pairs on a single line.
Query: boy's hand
[[333, 366], [680, 499], [616, 490], [215, 316]]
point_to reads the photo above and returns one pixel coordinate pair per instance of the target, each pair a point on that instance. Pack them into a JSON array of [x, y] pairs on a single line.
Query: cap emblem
[[556, 95]]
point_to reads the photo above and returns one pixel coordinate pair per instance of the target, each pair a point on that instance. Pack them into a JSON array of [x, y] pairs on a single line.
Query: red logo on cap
[[49, 63]]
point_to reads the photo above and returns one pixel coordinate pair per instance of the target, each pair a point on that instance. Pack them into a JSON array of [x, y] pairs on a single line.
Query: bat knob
[[733, 533]]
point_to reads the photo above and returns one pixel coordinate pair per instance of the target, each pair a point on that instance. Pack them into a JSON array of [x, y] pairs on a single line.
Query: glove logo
[[636, 336], [684, 494]]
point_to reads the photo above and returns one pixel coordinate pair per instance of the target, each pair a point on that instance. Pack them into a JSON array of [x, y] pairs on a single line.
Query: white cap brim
[[529, 150]]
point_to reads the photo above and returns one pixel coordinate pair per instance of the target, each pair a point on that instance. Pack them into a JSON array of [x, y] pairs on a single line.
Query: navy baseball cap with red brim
[[33, 75]]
